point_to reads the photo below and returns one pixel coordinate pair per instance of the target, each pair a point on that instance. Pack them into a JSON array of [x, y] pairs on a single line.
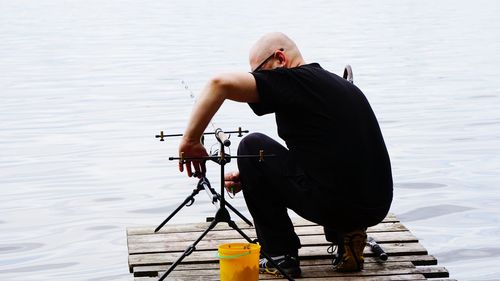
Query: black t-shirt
[[330, 130]]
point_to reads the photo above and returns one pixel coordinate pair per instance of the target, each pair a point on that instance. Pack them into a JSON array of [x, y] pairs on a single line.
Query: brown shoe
[[351, 257]]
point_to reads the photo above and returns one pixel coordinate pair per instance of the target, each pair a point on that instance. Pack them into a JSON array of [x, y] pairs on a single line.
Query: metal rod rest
[[218, 157], [239, 132]]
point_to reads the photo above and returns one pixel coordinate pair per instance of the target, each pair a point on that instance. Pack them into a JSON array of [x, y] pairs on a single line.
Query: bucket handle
[[232, 256]]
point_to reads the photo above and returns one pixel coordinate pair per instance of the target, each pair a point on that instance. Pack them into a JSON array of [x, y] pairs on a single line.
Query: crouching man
[[334, 170]]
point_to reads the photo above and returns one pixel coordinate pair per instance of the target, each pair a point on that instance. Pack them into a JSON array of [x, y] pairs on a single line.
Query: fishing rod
[[193, 97], [220, 135]]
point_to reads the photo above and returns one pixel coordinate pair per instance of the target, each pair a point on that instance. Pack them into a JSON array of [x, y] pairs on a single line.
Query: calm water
[[85, 85]]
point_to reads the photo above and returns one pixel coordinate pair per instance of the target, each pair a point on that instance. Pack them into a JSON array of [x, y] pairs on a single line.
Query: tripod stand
[[222, 214], [203, 184]]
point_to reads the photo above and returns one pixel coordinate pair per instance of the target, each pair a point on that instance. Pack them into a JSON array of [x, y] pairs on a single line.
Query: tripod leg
[[233, 225], [188, 251], [189, 199], [239, 214]]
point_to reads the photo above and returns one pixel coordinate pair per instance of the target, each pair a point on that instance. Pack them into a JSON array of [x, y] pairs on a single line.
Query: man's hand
[[190, 148], [232, 182]]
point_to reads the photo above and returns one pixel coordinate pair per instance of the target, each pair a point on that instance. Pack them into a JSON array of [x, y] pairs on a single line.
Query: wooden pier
[[151, 253]]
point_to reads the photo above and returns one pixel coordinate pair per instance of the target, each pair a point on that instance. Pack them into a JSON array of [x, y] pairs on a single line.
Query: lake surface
[[85, 86]]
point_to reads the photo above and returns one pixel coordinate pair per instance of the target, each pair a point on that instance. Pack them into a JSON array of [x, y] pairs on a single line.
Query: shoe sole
[[273, 271]]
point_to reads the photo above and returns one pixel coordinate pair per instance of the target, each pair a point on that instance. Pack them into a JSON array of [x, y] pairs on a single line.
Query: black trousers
[[276, 184]]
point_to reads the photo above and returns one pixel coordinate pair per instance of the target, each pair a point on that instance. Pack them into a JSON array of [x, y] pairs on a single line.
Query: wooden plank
[[148, 245], [372, 274], [196, 227], [315, 271], [189, 236], [153, 270], [404, 277], [415, 259], [380, 236], [323, 272], [230, 233], [371, 278], [397, 249], [433, 271]]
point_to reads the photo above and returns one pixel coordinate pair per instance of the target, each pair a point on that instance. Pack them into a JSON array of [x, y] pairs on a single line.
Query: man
[[335, 170]]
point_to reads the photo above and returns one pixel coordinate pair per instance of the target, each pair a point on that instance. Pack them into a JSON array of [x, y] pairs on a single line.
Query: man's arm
[[239, 87]]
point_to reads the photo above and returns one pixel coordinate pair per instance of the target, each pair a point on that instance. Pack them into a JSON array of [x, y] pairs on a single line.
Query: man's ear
[[281, 57]]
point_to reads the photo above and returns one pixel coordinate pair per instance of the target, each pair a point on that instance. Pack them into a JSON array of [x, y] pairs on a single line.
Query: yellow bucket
[[239, 261]]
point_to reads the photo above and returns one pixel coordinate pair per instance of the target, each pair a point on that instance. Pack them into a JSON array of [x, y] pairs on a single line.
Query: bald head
[[269, 44]]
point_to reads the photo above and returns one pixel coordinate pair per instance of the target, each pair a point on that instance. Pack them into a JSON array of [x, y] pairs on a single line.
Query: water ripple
[[432, 212], [37, 268], [463, 254], [19, 247]]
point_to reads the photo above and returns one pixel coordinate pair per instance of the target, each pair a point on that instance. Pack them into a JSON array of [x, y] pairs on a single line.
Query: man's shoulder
[[308, 66], [315, 69]]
